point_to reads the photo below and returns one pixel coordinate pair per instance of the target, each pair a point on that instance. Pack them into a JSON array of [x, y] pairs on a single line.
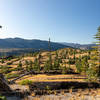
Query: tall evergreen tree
[[50, 57], [78, 65], [56, 65], [94, 66], [27, 65], [39, 61], [36, 65], [30, 66], [19, 67], [85, 65], [97, 37], [74, 54]]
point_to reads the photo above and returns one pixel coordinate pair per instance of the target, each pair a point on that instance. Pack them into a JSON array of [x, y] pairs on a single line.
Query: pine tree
[[84, 64], [97, 37], [93, 71], [50, 62], [19, 67], [30, 66], [66, 54], [46, 66], [36, 65], [50, 57], [74, 54], [39, 61], [27, 65], [56, 65], [78, 65], [2, 60], [64, 70], [56, 55]]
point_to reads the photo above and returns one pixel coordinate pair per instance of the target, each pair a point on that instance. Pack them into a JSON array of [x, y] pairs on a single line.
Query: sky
[[74, 21]]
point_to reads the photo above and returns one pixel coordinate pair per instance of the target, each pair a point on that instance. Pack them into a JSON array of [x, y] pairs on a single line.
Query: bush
[[35, 54], [64, 70], [47, 87], [5, 69], [26, 82], [69, 70], [2, 61], [9, 63], [9, 76], [14, 69], [19, 66], [2, 98], [71, 61]]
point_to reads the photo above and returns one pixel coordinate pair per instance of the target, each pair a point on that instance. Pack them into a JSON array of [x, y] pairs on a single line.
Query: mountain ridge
[[79, 46], [39, 44], [29, 43]]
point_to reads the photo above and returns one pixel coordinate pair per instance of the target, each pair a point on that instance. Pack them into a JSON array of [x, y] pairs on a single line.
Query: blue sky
[[61, 20]]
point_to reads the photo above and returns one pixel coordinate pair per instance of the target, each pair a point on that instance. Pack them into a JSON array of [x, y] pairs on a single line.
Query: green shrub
[[47, 87], [20, 66], [26, 82], [9, 63], [2, 61], [35, 54], [1, 67], [64, 70], [2, 98], [14, 69], [71, 61], [69, 70], [5, 69], [9, 76]]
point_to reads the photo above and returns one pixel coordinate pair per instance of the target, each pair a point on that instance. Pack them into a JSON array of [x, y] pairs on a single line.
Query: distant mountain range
[[39, 44], [79, 46], [25, 43]]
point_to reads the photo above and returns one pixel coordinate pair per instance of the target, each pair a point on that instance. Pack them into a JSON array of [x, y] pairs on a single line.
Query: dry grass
[[52, 78], [45, 56], [66, 96]]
